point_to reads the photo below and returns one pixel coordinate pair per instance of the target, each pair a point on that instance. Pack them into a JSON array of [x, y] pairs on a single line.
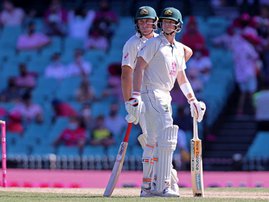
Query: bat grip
[[195, 128], [127, 134]]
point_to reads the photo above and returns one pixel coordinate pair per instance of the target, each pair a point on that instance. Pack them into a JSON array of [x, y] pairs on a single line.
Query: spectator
[[62, 109], [79, 67], [261, 100], [56, 69], [15, 123], [85, 93], [114, 82], [29, 111], [26, 80], [248, 28], [245, 60], [10, 15], [11, 93], [114, 121], [86, 115], [226, 40], [201, 64], [56, 19], [192, 37], [74, 135], [105, 18], [101, 135], [80, 22], [105, 13], [32, 40], [262, 22], [96, 40]]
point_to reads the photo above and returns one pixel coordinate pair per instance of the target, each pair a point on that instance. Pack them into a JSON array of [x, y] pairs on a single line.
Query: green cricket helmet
[[171, 13], [174, 14], [146, 12]]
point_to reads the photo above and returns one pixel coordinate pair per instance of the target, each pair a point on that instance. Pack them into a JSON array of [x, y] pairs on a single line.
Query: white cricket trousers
[[158, 114]]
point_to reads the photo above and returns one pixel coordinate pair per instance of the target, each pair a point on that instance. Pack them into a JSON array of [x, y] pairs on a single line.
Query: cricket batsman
[[160, 62]]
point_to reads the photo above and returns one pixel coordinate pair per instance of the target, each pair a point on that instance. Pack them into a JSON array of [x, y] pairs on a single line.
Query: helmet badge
[[144, 11], [168, 13]]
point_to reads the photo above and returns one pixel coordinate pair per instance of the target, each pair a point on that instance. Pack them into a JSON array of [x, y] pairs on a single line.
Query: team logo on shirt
[[173, 70]]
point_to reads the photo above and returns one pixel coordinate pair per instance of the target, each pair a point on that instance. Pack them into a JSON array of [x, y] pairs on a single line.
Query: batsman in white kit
[[159, 64], [145, 24]]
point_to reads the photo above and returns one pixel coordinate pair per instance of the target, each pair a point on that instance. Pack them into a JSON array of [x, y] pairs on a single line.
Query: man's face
[[145, 26], [168, 26]]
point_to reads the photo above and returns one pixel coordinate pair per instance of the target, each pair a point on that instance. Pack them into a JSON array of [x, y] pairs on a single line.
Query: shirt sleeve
[[149, 50], [181, 59], [128, 55]]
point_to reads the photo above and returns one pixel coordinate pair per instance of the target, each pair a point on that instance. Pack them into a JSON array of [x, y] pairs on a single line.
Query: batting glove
[[134, 107], [198, 109]]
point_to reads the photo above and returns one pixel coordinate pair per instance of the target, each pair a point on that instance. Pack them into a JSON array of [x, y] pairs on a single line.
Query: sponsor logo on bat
[[121, 150], [198, 181], [197, 148]]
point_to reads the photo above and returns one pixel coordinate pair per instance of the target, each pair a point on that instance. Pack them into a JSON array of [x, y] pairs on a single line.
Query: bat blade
[[197, 168], [196, 165], [116, 169], [118, 164]]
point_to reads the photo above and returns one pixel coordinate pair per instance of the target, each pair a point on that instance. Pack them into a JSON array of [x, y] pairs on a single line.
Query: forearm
[[126, 82], [138, 74], [187, 52], [185, 86]]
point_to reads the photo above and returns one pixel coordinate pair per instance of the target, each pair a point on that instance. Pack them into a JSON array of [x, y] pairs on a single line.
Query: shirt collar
[[143, 38], [165, 41]]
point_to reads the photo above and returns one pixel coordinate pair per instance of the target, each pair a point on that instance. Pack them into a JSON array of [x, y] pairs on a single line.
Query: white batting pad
[[147, 165], [166, 146], [142, 139], [142, 122], [155, 163], [174, 178]]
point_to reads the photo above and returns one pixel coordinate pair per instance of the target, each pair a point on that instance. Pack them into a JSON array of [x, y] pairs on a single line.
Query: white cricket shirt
[[131, 48], [164, 62]]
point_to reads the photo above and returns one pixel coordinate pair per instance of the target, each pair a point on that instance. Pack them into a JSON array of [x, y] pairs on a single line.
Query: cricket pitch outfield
[[128, 194]]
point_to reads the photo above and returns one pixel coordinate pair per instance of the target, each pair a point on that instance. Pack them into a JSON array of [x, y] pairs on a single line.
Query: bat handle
[[128, 131], [195, 128]]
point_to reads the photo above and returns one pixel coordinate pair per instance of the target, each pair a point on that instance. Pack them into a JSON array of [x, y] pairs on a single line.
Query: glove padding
[[134, 108], [198, 109]]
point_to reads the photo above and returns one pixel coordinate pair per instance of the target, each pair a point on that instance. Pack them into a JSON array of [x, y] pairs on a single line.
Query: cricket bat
[[118, 163], [196, 163]]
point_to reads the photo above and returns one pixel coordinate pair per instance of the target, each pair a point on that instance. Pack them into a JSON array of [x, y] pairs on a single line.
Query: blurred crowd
[[248, 39], [94, 28]]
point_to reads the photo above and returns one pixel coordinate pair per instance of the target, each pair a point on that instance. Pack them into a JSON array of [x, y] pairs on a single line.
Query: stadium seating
[[259, 147]]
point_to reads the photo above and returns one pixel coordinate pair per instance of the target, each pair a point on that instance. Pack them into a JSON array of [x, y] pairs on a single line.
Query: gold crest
[[144, 11], [168, 12]]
